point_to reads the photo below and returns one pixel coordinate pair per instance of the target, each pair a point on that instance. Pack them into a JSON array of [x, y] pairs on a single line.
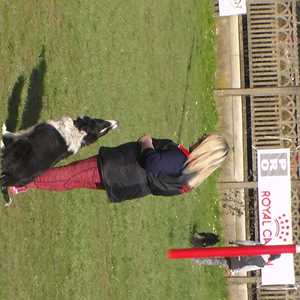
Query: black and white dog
[[28, 153]]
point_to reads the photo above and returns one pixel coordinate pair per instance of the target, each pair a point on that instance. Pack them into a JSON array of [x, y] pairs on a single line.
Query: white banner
[[232, 7], [275, 220]]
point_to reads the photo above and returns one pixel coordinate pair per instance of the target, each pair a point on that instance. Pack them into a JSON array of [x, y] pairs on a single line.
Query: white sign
[[275, 220], [232, 7]]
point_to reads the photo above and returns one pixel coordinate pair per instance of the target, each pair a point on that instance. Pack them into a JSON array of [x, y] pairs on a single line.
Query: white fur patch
[[70, 133], [114, 124], [4, 131], [26, 131]]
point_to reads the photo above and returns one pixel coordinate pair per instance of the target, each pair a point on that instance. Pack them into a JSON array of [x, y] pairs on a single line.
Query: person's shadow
[[13, 104], [34, 100], [33, 103]]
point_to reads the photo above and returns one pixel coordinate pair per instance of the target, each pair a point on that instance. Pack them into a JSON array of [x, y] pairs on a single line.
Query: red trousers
[[79, 174]]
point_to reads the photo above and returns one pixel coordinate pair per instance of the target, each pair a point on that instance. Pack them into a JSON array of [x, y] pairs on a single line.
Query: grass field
[[148, 64]]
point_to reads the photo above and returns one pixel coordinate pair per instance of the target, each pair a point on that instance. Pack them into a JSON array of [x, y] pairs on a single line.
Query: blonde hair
[[205, 158]]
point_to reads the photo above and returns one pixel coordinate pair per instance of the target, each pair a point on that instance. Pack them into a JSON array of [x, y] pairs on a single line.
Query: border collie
[[28, 153]]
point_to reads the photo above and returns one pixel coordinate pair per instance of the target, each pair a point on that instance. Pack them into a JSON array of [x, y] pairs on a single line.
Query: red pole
[[231, 251]]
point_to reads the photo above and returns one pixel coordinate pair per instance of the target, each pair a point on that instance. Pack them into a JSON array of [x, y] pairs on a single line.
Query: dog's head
[[94, 128]]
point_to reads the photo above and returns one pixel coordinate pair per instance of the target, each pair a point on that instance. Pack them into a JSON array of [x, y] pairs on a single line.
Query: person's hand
[[145, 142]]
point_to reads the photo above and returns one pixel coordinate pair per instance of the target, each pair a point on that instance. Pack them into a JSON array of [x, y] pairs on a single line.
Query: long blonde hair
[[205, 158]]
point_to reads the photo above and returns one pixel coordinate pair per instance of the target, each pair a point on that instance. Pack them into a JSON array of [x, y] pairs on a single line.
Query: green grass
[[148, 64]]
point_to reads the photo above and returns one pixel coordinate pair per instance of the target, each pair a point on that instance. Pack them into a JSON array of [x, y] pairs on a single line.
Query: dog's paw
[[8, 202], [6, 197]]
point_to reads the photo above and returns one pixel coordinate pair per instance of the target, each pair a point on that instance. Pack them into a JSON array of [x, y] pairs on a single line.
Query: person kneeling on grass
[[136, 169], [233, 265]]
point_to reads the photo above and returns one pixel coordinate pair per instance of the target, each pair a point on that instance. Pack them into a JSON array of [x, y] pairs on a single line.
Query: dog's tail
[[205, 158]]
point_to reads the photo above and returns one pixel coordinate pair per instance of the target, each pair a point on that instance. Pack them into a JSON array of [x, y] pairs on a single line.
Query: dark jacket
[[163, 162], [124, 178], [242, 261]]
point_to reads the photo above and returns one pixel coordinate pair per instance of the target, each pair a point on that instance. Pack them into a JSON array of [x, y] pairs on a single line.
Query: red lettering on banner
[[267, 234], [267, 211], [266, 201], [266, 215], [264, 222], [266, 193]]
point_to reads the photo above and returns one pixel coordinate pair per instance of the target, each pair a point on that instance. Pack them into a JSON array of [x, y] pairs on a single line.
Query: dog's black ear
[[84, 123], [78, 123]]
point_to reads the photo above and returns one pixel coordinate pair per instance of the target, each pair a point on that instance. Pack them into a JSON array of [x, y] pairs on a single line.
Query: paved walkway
[[231, 125]]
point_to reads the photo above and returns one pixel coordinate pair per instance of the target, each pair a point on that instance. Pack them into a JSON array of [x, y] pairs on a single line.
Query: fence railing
[[271, 63]]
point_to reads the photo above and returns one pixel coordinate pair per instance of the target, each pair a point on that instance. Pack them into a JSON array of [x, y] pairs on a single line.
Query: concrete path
[[231, 125]]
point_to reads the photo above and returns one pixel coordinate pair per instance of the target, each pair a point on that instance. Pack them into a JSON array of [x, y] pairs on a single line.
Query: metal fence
[[270, 34], [272, 54]]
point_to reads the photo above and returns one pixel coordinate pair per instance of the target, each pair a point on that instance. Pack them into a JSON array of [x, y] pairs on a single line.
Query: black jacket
[[123, 177], [242, 261]]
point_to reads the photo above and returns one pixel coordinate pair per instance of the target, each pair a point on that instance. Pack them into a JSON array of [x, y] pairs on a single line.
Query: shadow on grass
[[34, 102], [13, 105]]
